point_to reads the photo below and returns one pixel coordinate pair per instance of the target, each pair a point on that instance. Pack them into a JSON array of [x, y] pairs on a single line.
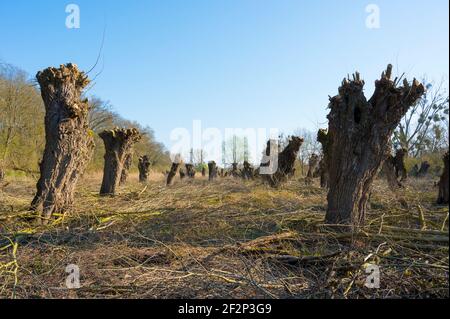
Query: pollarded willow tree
[[69, 142], [126, 168], [118, 145], [359, 133]]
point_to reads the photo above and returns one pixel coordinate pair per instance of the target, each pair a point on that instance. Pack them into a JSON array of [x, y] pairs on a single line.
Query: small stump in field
[[285, 162], [212, 168], [118, 146], [69, 142], [313, 164], [443, 183], [359, 133], [190, 170], [172, 173], [322, 138], [126, 168], [144, 168], [248, 173]]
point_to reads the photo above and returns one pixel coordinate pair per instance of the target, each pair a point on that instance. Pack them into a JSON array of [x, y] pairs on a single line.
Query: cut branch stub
[[444, 182], [69, 142], [144, 168], [359, 133], [118, 145]]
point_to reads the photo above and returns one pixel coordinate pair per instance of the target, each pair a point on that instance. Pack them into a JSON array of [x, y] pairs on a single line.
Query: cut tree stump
[[313, 164], [286, 162], [118, 146], [212, 168], [126, 168], [190, 170], [172, 173], [248, 172], [69, 143], [399, 164], [323, 139], [359, 133], [443, 183], [144, 168]]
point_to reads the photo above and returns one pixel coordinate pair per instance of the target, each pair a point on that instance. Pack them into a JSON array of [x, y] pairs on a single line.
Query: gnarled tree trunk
[[286, 162], [68, 142], [126, 168], [118, 145], [212, 167], [359, 133], [172, 173], [144, 168], [443, 183], [234, 170]]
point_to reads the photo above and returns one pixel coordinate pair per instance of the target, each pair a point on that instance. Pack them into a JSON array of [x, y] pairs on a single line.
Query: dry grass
[[228, 239]]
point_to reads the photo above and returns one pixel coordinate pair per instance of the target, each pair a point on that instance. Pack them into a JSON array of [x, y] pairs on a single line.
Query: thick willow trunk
[[234, 170], [144, 168], [118, 145], [359, 133], [126, 168], [203, 172], [212, 168], [424, 168], [444, 183], [286, 162], [69, 143]]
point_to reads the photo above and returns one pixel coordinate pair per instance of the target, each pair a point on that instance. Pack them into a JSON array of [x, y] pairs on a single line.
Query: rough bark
[[190, 170], [444, 183], [286, 162], [144, 168], [118, 145], [212, 168], [69, 143], [359, 133], [126, 168], [172, 173]]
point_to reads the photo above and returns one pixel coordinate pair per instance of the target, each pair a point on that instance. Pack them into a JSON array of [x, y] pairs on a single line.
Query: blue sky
[[228, 63]]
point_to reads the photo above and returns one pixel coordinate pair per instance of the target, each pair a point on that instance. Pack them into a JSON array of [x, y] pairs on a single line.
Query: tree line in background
[[22, 135]]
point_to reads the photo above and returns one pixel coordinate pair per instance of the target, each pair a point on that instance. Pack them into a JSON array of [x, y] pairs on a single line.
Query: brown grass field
[[226, 239]]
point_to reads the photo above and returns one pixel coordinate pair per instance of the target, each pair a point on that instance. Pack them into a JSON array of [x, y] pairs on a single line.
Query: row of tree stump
[[355, 146]]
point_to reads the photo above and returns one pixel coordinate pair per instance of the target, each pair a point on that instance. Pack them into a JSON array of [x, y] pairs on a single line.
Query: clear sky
[[228, 63]]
